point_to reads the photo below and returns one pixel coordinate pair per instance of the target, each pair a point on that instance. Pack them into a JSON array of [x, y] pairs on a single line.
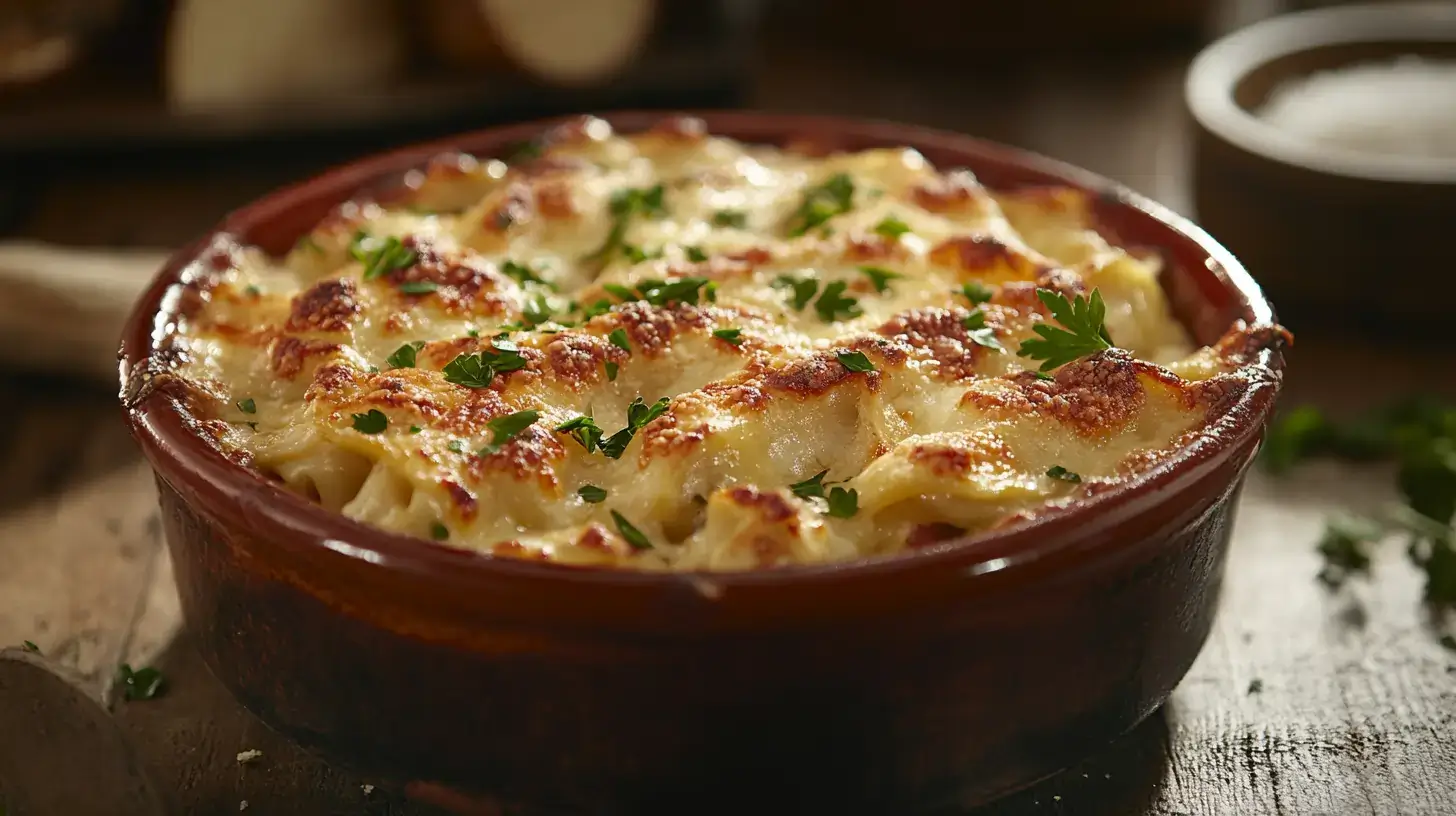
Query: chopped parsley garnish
[[380, 257], [404, 356], [504, 429], [27, 646], [248, 406], [252, 290], [418, 287], [618, 338], [623, 293], [810, 488], [803, 290], [538, 310], [976, 293], [832, 305], [1059, 472], [843, 503], [1420, 436], [612, 369], [456, 446], [855, 361], [663, 293], [591, 494], [738, 219], [523, 274], [1084, 332], [978, 332], [891, 227], [601, 307], [438, 531], [625, 204], [639, 414], [477, 370], [834, 197], [139, 684], [879, 278], [584, 429], [695, 254], [637, 254], [633, 536], [373, 422], [476, 333], [731, 336], [414, 429]]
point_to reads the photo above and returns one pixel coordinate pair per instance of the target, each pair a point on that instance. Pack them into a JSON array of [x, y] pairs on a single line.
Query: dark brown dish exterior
[[951, 675]]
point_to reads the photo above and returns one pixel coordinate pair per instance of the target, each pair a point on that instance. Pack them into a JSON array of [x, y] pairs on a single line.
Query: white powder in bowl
[[1405, 107]]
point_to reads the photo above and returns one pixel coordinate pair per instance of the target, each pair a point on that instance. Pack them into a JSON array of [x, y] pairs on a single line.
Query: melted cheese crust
[[944, 435]]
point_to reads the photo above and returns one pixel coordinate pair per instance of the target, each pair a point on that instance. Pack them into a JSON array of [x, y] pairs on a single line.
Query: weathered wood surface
[[1355, 707]]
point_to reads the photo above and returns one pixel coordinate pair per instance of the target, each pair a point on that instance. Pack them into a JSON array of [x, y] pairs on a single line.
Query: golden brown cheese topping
[[676, 351]]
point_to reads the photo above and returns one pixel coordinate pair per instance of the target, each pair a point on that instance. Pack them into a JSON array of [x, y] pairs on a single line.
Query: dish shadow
[[189, 739]]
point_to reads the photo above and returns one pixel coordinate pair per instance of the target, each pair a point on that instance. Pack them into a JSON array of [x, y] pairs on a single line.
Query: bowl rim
[[1218, 69], [1078, 530]]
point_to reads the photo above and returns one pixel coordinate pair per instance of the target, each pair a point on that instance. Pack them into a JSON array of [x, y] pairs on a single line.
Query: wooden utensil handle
[[62, 308]]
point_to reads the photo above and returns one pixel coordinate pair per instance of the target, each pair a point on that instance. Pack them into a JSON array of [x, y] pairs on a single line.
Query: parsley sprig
[[664, 293], [380, 256], [821, 203], [1083, 332], [832, 304], [584, 429], [624, 205], [841, 503], [504, 429], [1420, 436], [478, 369]]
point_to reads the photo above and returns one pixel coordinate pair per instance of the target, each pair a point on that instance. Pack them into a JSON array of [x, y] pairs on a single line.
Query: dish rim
[[1218, 69], [176, 452]]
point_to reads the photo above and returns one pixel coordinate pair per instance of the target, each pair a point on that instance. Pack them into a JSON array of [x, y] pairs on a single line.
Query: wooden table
[[1303, 701]]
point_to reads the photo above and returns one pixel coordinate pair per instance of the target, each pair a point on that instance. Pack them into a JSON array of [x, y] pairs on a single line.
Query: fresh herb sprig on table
[[1419, 435]]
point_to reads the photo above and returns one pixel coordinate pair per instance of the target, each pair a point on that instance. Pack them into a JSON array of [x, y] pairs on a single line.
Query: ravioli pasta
[[482, 357]]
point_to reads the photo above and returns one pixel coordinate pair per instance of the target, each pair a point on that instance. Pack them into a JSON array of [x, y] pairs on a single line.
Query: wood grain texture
[[1303, 702]]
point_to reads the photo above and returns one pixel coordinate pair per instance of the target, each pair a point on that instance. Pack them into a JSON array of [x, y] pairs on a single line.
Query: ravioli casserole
[[671, 350]]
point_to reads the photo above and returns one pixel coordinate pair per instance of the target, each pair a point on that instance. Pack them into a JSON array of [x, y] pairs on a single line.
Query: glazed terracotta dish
[[739, 459]]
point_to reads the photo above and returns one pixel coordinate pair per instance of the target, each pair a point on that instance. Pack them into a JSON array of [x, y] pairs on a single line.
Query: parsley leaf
[[855, 361], [456, 446], [438, 531], [414, 429], [612, 369], [810, 488], [731, 336], [618, 338], [404, 356], [371, 423], [879, 277], [624, 205], [478, 369], [834, 197], [504, 429], [248, 406], [601, 307], [584, 430], [1059, 472], [633, 536], [380, 257], [978, 332], [695, 254], [637, 254], [737, 219], [976, 293], [685, 290], [538, 310], [418, 287], [843, 503], [591, 494], [1084, 333], [139, 684], [252, 290], [803, 290], [891, 227], [27, 646], [832, 305], [639, 414], [1345, 548], [523, 274]]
